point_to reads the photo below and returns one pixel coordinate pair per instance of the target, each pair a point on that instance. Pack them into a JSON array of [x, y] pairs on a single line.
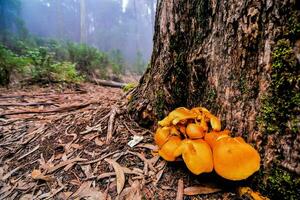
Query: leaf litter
[[71, 142]]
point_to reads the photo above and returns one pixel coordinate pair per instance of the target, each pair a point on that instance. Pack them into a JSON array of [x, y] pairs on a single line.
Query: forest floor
[[71, 142]]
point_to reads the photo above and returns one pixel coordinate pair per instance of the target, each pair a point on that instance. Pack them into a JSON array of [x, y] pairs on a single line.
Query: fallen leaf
[[195, 190], [87, 170], [26, 197], [65, 163], [85, 191], [132, 192], [119, 174], [37, 175], [6, 176], [98, 141], [148, 146]]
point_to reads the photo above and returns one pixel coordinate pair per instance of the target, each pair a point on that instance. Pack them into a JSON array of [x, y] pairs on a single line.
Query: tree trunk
[[60, 20], [240, 59], [83, 30]]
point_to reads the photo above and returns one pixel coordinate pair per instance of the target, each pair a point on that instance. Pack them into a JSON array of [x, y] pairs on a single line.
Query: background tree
[[83, 31], [240, 59], [109, 24]]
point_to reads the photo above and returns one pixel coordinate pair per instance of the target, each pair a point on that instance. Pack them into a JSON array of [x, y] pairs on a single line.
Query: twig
[[62, 164], [180, 189], [30, 152], [110, 125], [99, 159]]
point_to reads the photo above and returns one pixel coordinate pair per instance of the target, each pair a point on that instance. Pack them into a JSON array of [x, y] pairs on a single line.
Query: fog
[[105, 24]]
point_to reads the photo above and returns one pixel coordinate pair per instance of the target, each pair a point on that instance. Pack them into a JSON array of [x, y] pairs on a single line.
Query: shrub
[[89, 60], [117, 62], [46, 69], [9, 63]]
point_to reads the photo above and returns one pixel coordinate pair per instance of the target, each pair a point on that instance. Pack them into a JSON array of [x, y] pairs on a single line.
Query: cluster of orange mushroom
[[196, 136]]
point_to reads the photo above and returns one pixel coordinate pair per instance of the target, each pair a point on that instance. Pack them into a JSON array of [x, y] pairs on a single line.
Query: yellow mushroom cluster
[[196, 135]]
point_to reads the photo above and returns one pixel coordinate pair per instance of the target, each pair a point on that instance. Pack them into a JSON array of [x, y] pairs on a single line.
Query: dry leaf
[[195, 190], [65, 163], [64, 195], [26, 197], [6, 176], [119, 174], [37, 175], [87, 170], [98, 141], [132, 192], [148, 146], [85, 191]]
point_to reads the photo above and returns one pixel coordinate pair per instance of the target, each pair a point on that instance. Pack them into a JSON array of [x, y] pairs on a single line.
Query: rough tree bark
[[240, 59]]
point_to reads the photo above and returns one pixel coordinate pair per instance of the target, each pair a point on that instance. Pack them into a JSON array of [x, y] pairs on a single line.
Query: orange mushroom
[[214, 121], [234, 159], [213, 136], [167, 150], [177, 115], [196, 154], [182, 129], [174, 131], [161, 136], [195, 131]]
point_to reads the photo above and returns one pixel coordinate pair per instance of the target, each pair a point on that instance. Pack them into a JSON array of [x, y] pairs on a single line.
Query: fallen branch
[[30, 152], [58, 110], [40, 95], [26, 104], [108, 83]]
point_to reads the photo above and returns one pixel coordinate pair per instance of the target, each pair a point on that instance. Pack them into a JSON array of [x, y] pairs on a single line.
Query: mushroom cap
[[199, 110], [182, 129], [161, 136], [195, 131], [177, 115], [197, 155], [234, 159], [174, 131], [215, 123], [167, 150], [213, 136]]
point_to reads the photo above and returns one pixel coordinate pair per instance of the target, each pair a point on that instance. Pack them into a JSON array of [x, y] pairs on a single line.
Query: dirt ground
[[55, 144]]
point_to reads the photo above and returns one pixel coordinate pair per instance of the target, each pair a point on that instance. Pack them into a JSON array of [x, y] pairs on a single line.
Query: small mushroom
[[182, 129], [167, 150], [161, 136], [174, 131], [213, 136], [234, 159], [196, 154], [214, 121], [177, 115], [195, 131]]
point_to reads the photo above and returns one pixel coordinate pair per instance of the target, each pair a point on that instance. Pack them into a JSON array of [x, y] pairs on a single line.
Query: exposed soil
[[53, 145]]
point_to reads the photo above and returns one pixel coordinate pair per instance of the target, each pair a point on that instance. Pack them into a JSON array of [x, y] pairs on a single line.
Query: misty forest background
[[75, 40]]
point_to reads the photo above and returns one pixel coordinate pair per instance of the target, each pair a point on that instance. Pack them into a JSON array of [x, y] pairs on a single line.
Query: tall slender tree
[[83, 28]]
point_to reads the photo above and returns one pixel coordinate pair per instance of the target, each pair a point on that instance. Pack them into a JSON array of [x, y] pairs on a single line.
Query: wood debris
[[70, 143]]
